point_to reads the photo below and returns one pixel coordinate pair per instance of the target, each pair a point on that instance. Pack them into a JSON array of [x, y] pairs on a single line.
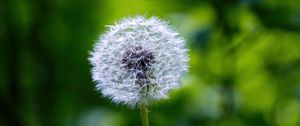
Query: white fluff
[[163, 74]]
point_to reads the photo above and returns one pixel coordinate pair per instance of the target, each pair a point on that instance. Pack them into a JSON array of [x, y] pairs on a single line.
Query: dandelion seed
[[138, 61]]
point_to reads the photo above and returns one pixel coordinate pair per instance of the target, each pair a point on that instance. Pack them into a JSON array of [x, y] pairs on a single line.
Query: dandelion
[[138, 61]]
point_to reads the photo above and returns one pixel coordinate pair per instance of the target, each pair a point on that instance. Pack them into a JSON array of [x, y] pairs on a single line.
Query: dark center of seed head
[[138, 61]]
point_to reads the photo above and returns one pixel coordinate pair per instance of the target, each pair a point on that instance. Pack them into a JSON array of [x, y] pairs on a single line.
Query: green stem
[[144, 114]]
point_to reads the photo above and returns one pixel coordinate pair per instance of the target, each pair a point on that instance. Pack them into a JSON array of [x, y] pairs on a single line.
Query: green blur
[[244, 68]]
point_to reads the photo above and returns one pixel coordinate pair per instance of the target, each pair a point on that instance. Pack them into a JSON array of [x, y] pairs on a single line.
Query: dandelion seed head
[[138, 60]]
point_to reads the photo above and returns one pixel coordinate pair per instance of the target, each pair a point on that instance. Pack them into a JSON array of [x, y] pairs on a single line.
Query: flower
[[138, 61]]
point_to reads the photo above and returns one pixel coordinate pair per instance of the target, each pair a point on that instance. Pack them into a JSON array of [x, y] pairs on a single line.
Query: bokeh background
[[245, 63]]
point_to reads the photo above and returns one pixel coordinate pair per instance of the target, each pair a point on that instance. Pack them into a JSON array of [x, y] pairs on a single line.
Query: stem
[[144, 114]]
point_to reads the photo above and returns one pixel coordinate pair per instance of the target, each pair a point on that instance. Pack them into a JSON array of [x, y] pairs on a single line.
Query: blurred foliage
[[245, 63]]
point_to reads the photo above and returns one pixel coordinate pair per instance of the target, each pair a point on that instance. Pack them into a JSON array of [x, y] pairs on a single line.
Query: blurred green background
[[245, 63]]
